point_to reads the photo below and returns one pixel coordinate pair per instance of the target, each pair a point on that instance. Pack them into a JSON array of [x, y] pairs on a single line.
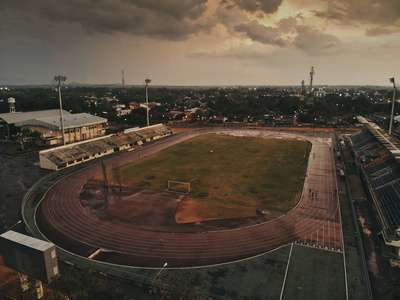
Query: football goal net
[[178, 187]]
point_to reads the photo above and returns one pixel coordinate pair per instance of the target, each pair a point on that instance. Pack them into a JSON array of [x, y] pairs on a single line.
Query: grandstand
[[377, 157], [72, 154]]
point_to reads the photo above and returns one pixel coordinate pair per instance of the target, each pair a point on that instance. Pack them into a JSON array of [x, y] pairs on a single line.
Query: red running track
[[315, 221]]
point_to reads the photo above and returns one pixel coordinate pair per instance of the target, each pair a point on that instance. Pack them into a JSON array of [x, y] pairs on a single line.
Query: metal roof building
[[77, 127], [70, 121], [8, 120], [12, 118]]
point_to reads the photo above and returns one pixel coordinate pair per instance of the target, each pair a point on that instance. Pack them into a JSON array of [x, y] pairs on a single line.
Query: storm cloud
[[266, 6], [314, 42], [306, 38], [161, 19], [370, 12], [198, 41], [261, 33]]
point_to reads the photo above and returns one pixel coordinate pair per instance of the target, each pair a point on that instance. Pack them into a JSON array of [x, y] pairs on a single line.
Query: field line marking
[[287, 269]]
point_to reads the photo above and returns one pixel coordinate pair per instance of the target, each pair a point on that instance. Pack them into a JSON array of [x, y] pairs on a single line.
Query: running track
[[315, 221]]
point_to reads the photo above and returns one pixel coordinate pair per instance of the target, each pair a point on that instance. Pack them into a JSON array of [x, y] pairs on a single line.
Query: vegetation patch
[[230, 176]]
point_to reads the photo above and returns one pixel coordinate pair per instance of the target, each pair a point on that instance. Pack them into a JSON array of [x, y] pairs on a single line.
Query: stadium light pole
[[166, 264], [394, 97], [147, 81], [60, 78], [14, 225]]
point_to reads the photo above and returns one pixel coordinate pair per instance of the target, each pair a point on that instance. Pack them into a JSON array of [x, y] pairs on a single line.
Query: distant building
[[123, 112], [8, 130], [320, 93], [134, 105], [119, 106], [77, 127]]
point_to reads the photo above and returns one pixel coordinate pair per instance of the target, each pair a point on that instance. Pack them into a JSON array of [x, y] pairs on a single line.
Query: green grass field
[[229, 176], [315, 274]]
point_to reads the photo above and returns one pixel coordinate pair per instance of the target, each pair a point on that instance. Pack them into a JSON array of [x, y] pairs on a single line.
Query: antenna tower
[[311, 79], [302, 87]]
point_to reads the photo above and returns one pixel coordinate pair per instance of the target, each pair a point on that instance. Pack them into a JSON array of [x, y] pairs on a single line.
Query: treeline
[[236, 104]]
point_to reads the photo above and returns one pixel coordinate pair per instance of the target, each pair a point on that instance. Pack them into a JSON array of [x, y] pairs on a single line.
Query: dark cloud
[[261, 33], [287, 25], [229, 16], [162, 19], [308, 39], [314, 42], [179, 9], [376, 31], [372, 12], [266, 6]]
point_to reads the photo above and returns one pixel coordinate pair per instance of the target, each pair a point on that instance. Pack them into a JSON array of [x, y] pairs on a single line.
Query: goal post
[[178, 187]]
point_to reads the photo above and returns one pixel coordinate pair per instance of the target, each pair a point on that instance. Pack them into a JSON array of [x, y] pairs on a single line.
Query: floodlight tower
[[147, 81], [123, 83], [311, 79], [394, 98], [60, 79]]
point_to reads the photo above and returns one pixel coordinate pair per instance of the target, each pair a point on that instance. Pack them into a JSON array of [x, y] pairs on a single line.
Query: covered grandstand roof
[[83, 149], [384, 138], [380, 170], [12, 118], [70, 121]]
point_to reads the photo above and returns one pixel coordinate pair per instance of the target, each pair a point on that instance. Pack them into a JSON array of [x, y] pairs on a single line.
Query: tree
[[178, 285], [87, 285], [28, 136]]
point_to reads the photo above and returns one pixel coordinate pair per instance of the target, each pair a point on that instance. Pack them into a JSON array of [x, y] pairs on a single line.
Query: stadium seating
[[382, 171]]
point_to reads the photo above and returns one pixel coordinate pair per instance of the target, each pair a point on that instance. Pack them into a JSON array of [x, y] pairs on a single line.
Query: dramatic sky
[[200, 42]]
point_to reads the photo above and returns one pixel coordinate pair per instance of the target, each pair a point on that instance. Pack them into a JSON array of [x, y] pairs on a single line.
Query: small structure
[[11, 103], [29, 256]]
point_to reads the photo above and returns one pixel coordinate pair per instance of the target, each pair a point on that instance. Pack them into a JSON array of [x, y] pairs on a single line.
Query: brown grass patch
[[191, 211]]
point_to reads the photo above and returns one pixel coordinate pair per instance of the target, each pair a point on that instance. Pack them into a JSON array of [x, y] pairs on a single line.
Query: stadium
[[54, 210]]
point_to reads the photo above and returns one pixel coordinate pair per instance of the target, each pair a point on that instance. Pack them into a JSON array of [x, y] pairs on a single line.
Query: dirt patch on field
[[161, 211], [191, 211], [129, 208]]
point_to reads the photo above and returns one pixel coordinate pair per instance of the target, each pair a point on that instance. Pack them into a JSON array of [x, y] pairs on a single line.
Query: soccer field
[[229, 176]]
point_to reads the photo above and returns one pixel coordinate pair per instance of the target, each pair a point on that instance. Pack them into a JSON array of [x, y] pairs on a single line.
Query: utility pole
[[147, 81], [394, 99], [60, 79]]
